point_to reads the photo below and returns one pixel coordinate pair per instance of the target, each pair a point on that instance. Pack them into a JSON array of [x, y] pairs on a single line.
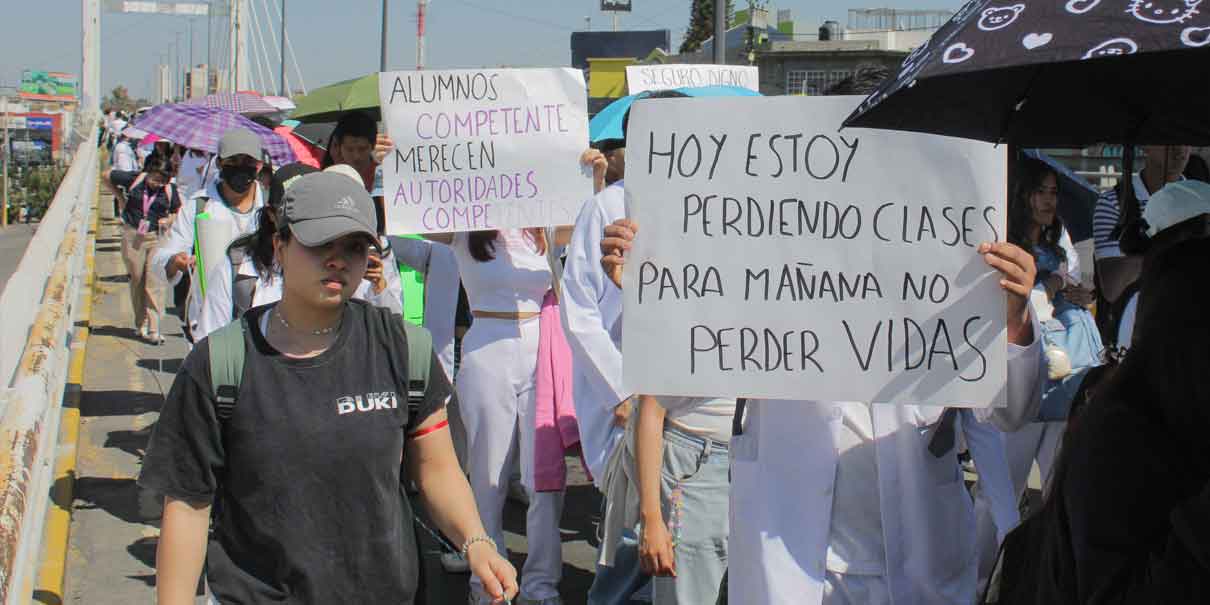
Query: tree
[[701, 24], [119, 100]]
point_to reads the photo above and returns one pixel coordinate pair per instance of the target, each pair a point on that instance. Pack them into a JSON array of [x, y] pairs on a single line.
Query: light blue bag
[[1073, 330]]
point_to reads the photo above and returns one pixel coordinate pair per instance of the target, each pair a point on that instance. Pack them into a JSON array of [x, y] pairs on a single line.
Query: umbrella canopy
[[243, 103], [316, 133], [1059, 73], [305, 152], [608, 123], [280, 103], [327, 103], [198, 127]]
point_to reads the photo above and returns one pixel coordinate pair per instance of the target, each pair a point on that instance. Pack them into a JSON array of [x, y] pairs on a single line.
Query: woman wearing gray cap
[[319, 520]]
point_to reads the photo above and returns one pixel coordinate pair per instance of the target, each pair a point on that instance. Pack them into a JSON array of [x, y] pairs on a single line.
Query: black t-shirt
[[305, 475], [164, 204]]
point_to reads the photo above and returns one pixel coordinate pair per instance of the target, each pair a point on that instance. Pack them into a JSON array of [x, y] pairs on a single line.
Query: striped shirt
[[1105, 218]]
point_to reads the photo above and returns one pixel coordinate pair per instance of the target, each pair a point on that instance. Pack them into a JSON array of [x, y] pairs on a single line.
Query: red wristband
[[432, 429]]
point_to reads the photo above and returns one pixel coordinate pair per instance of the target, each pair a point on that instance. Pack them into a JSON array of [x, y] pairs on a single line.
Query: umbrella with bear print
[[1063, 73]]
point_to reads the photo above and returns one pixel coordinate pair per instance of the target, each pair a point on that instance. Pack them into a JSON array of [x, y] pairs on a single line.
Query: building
[[810, 63], [197, 82], [165, 92]]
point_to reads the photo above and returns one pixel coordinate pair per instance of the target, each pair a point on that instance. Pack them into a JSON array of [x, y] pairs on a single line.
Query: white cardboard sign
[[484, 149], [641, 78], [780, 257]]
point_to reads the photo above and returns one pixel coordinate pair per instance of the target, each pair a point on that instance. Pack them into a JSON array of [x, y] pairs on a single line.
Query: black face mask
[[238, 178]]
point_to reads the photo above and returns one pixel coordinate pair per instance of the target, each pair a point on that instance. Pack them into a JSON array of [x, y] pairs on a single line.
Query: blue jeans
[[625, 581], [695, 498]]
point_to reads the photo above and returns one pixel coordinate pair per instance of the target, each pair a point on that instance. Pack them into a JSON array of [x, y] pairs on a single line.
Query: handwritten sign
[[484, 149], [780, 257], [640, 78]]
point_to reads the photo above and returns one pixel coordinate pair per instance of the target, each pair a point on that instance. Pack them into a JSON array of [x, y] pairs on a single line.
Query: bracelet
[[466, 546]]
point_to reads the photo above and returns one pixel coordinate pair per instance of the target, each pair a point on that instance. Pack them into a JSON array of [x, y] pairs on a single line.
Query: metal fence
[[38, 308]]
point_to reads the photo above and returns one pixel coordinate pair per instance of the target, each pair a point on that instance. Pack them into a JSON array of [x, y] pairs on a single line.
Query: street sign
[[181, 9], [616, 6]]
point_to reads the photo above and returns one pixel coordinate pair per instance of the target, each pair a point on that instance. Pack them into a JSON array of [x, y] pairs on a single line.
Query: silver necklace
[[320, 332]]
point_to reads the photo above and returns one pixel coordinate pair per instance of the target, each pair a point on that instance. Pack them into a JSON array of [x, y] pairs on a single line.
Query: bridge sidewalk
[[115, 527]]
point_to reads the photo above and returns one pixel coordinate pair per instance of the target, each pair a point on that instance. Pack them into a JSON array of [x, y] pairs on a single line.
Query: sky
[[335, 40]]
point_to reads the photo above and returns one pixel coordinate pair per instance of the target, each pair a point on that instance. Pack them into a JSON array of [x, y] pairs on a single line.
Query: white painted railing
[[37, 310]]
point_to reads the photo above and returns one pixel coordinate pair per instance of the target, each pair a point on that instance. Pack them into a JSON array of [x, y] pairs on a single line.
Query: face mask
[[238, 178]]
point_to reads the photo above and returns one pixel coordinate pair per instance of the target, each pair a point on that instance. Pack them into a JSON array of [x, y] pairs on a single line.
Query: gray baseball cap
[[325, 206], [239, 141]]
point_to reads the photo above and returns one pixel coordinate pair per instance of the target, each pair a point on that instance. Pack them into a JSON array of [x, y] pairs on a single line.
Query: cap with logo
[[239, 141], [324, 206]]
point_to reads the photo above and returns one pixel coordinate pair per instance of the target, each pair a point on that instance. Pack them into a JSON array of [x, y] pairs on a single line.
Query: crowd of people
[[278, 449]]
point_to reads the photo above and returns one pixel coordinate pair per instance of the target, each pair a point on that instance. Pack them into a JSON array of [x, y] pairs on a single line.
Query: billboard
[[49, 86], [616, 45], [617, 6]]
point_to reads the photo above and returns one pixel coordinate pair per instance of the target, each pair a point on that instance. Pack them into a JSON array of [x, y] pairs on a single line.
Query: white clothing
[[855, 543], [711, 419], [217, 307], [592, 319], [124, 158], [189, 178], [515, 280], [439, 266], [785, 472], [996, 511], [496, 401], [180, 239]]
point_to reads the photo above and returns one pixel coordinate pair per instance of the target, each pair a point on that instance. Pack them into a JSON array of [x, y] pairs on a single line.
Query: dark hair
[[352, 124], [158, 164], [1197, 169], [482, 244], [864, 81], [1028, 179]]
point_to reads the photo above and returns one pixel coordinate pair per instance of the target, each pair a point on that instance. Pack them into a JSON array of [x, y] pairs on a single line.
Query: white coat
[[592, 319], [783, 475], [180, 239]]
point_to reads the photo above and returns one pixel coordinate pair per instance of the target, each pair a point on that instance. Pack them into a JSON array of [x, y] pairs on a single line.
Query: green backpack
[[227, 360]]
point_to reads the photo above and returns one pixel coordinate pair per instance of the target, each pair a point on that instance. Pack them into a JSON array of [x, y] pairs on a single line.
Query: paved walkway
[[13, 241], [115, 527]]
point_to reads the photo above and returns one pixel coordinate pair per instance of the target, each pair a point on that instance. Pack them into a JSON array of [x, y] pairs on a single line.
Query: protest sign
[[780, 257], [484, 149], [641, 78]]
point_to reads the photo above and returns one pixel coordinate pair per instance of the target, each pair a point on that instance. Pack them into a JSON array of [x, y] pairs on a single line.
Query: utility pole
[[720, 32], [282, 91], [180, 87], [7, 150], [382, 62], [421, 13]]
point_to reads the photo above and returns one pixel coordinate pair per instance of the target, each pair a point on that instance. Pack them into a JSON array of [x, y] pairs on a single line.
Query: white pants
[[496, 401]]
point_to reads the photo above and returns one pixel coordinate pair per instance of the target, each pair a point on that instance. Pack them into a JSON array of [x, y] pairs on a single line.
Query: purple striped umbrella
[[198, 127], [243, 103]]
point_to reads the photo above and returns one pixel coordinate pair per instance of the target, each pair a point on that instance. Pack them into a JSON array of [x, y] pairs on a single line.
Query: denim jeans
[[695, 498], [625, 581]]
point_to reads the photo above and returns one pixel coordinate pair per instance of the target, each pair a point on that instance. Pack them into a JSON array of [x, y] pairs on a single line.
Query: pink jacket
[[554, 414]]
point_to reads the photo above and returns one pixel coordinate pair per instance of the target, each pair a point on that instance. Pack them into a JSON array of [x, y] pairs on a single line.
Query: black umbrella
[[315, 133], [1057, 73]]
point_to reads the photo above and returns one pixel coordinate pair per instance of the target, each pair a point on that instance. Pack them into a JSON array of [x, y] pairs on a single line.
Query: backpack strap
[[227, 366], [419, 344], [420, 358]]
